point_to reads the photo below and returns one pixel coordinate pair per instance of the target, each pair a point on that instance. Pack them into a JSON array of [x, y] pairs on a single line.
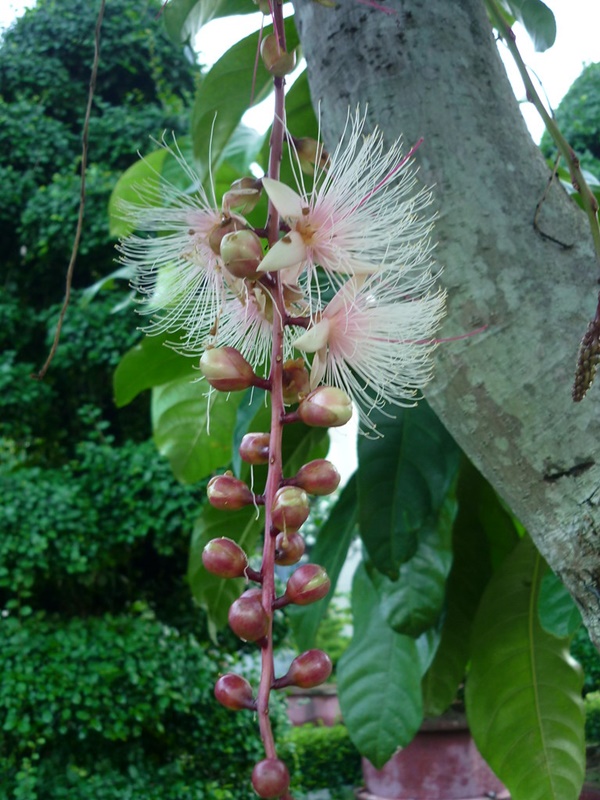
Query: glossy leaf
[[379, 680], [413, 603], [180, 415], [143, 173], [402, 482], [224, 96], [149, 363], [523, 691], [537, 19], [330, 551], [470, 573], [184, 18], [215, 594], [558, 613]]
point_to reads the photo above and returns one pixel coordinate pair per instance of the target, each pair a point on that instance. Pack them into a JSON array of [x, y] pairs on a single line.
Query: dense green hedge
[[116, 706], [325, 758]]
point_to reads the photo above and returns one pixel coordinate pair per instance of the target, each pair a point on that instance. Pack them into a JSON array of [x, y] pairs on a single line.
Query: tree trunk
[[432, 69]]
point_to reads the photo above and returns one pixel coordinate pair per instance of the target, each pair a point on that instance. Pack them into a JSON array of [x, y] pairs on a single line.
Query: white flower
[[362, 216], [374, 339]]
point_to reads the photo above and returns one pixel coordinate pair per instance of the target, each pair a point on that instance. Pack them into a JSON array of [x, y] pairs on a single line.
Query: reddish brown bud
[[226, 369], [296, 380], [228, 493], [307, 584], [234, 692], [244, 195], [248, 619], [254, 448], [225, 558], [310, 669], [318, 477], [326, 407], [270, 778], [278, 62], [227, 225], [289, 548], [290, 508], [242, 253]]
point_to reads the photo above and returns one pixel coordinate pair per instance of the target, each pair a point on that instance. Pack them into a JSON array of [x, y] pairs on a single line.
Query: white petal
[[287, 252], [286, 200], [315, 338]]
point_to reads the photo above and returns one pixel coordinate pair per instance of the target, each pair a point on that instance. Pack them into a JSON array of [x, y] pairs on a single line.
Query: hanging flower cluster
[[354, 261]]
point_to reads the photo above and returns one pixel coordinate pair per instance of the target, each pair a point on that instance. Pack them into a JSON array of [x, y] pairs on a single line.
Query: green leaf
[[149, 363], [403, 479], [537, 19], [523, 691], [330, 551], [558, 613], [181, 411], [224, 96], [215, 594], [144, 173], [184, 18], [471, 570], [413, 603], [379, 680]]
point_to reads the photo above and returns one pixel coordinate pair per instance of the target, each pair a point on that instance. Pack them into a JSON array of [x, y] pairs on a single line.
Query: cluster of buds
[[287, 507]]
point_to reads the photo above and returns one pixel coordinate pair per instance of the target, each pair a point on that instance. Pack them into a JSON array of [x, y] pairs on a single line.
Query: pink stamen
[[391, 173], [256, 57], [377, 6]]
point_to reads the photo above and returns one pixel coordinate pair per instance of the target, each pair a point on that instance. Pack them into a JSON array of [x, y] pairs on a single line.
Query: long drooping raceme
[[331, 304]]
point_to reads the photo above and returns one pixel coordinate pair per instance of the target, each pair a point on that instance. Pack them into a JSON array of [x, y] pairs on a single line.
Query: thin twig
[[84, 152]]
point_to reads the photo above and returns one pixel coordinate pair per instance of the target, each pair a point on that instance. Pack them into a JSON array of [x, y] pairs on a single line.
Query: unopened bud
[[311, 152], [318, 477], [226, 369], [325, 407], [296, 380], [243, 195], [307, 584], [290, 508], [227, 225], [270, 778], [225, 558], [277, 61], [254, 448], [310, 669], [242, 253], [234, 692], [289, 548], [263, 5], [248, 619], [228, 493]]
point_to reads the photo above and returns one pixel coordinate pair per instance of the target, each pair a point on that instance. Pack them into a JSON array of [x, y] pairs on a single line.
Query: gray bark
[[432, 69]]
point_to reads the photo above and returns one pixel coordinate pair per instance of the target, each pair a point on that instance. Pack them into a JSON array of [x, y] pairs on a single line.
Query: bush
[[325, 758], [592, 717], [115, 707], [585, 652]]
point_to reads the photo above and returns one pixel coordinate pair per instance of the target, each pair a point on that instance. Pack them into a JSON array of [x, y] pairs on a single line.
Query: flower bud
[[242, 253], [226, 369], [326, 407], [254, 448], [244, 195], [310, 669], [318, 477], [227, 225], [295, 379], [224, 558], [289, 548], [311, 152], [307, 584], [234, 692], [277, 61], [228, 493], [248, 619], [270, 778], [290, 508], [263, 5]]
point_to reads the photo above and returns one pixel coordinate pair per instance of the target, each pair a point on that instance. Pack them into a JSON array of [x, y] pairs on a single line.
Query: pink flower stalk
[[362, 216], [374, 339]]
